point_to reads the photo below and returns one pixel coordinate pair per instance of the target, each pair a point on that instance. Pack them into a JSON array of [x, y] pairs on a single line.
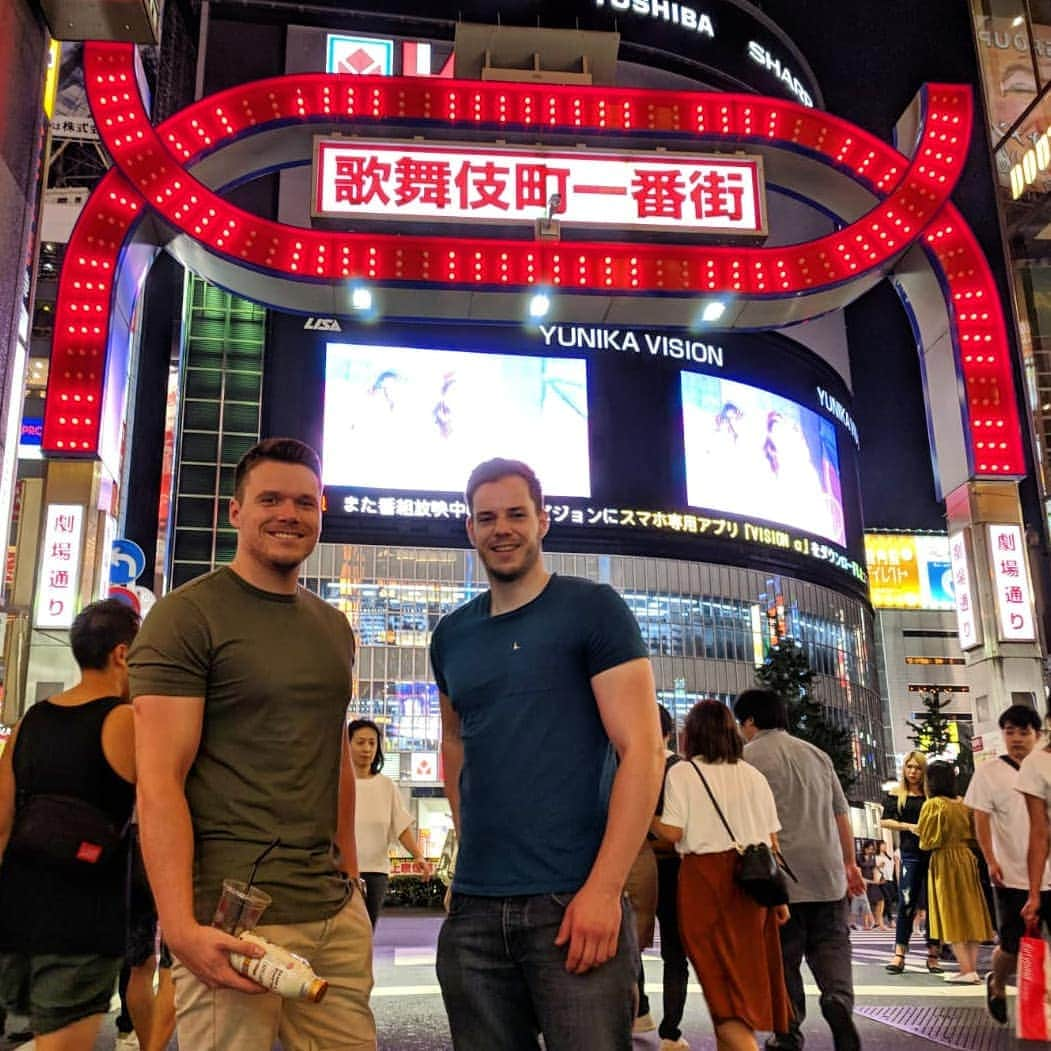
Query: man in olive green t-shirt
[[241, 681]]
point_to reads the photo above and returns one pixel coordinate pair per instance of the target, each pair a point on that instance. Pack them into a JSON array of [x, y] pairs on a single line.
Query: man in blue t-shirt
[[541, 679]]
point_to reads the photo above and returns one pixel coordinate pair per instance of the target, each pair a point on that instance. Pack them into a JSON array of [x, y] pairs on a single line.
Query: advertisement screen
[[909, 571], [419, 420], [751, 452], [714, 446]]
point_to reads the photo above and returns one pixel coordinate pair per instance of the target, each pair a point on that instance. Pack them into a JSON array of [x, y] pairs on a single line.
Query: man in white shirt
[[1002, 825]]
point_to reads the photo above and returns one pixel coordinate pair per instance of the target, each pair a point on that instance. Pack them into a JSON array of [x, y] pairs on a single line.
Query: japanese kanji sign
[[1014, 597], [674, 191], [57, 585], [968, 623]]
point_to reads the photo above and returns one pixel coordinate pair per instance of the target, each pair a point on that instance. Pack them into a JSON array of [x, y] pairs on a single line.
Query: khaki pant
[[340, 951]]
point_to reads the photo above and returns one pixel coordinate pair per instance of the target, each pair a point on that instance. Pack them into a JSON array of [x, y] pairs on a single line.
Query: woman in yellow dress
[[956, 909]]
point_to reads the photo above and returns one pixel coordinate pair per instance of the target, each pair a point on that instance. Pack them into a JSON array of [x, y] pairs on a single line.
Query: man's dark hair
[[98, 629], [494, 470], [712, 733], [941, 780], [281, 450], [1020, 716], [367, 724], [667, 722], [764, 707]]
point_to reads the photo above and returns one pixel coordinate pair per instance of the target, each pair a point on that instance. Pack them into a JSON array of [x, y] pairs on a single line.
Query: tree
[[933, 734], [787, 672]]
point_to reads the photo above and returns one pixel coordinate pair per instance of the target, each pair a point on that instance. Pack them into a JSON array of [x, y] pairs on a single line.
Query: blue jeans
[[504, 981], [912, 896]]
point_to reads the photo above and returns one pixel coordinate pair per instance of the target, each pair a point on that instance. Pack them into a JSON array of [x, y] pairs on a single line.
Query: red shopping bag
[[1034, 989]]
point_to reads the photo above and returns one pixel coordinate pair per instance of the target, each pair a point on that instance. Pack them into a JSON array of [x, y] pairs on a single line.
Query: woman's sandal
[[934, 965], [897, 964]]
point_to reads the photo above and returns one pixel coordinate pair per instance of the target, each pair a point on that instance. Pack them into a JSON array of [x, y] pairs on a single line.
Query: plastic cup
[[240, 907]]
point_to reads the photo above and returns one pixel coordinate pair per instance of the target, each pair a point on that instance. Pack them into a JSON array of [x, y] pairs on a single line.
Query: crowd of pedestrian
[[585, 822]]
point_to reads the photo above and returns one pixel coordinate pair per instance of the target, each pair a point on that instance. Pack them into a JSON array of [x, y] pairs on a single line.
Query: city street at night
[[894, 1012]]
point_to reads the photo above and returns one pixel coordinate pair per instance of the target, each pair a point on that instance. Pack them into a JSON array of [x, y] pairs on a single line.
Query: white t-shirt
[[380, 818], [994, 791], [1034, 779], [742, 792], [885, 864]]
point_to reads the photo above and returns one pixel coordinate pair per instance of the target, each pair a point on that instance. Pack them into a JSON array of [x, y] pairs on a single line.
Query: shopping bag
[[1034, 989]]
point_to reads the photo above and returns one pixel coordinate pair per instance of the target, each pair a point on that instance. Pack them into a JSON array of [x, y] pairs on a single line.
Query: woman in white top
[[380, 816], [731, 940]]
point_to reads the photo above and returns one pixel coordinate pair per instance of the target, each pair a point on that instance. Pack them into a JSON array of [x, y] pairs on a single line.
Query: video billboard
[[725, 446], [414, 419], [752, 452]]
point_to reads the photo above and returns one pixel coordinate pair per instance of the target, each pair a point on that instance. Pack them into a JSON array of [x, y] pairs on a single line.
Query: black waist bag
[[64, 832]]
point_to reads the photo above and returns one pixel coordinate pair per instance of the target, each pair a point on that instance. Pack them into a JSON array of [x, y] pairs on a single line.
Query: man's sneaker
[[841, 1021], [674, 1045], [126, 1042], [995, 1005], [644, 1024]]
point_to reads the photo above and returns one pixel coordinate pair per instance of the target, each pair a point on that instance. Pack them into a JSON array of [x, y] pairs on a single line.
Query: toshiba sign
[[674, 191]]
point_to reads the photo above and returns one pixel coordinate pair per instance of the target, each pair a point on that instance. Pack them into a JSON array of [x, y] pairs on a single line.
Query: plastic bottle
[[279, 970]]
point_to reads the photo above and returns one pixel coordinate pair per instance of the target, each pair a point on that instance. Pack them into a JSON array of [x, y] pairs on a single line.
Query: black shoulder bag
[[63, 832], [760, 870]]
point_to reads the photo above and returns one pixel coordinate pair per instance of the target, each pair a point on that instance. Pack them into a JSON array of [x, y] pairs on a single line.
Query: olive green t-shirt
[[275, 674]]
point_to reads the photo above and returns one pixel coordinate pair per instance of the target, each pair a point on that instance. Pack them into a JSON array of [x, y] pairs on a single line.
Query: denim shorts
[[56, 990]]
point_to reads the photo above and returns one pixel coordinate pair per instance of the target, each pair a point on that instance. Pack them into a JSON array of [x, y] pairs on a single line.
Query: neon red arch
[[151, 175]]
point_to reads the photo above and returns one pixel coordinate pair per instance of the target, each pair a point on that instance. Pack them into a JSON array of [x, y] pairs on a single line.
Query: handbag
[[64, 832], [1033, 1017], [760, 870]]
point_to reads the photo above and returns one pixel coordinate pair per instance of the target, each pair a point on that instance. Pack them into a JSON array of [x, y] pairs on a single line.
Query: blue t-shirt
[[538, 766]]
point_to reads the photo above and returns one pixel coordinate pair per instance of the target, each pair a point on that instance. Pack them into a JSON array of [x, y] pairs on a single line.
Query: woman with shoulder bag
[[730, 938]]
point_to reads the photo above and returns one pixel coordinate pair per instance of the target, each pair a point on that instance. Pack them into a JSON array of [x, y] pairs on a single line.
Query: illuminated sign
[[359, 56], [1014, 597], [54, 60], [58, 585], [32, 430], [761, 57], [672, 191], [578, 513], [647, 344], [1034, 161], [837, 410], [909, 571], [666, 11], [968, 624], [30, 438]]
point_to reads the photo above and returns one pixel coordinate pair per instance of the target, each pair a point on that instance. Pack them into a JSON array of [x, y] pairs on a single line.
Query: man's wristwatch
[[361, 885]]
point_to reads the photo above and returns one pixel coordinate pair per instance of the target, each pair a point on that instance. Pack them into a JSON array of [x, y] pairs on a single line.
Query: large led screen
[[750, 452], [400, 418], [704, 446]]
